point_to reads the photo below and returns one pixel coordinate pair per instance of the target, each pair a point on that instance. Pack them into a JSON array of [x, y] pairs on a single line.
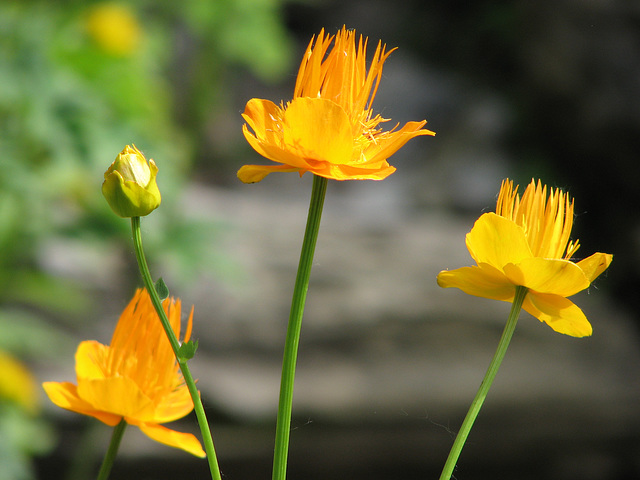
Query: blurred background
[[388, 362]]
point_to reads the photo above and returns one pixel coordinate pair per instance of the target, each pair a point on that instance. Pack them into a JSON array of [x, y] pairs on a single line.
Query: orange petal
[[173, 406], [497, 241], [275, 151], [184, 441], [548, 275], [318, 129], [348, 172], [65, 395], [560, 313], [117, 395], [387, 145], [595, 264], [255, 173], [264, 118], [482, 281]]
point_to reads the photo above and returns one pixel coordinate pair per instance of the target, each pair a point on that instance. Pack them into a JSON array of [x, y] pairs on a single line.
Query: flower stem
[[283, 424], [476, 405], [110, 456], [186, 373]]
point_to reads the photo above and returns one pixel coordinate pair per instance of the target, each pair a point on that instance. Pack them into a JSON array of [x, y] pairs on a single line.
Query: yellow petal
[[595, 264], [184, 441], [90, 360], [559, 313], [548, 275], [318, 129], [255, 173], [497, 241], [65, 395], [481, 281]]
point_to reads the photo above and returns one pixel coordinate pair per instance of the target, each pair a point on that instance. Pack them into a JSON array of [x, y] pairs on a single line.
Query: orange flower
[[135, 378], [328, 128], [526, 243]]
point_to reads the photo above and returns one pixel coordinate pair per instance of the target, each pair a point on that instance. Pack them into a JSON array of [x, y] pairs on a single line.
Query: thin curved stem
[[186, 373], [476, 405], [112, 451], [283, 425]]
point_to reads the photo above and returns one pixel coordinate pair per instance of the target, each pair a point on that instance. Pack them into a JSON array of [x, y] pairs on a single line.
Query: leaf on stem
[[162, 289], [187, 351]]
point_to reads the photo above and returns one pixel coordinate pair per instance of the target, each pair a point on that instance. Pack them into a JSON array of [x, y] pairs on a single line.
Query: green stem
[[186, 373], [283, 425], [461, 438], [110, 456]]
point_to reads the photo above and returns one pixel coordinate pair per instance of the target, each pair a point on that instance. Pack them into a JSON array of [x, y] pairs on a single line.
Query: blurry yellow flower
[[17, 383], [328, 128], [526, 243], [136, 378], [130, 184], [114, 28]]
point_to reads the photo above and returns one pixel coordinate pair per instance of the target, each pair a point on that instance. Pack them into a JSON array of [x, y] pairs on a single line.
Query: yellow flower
[[135, 378], [130, 185], [328, 128], [526, 243], [114, 28], [17, 383]]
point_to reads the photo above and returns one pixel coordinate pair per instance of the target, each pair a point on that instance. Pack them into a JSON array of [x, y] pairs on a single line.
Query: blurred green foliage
[[22, 431], [68, 105], [23, 435], [69, 102]]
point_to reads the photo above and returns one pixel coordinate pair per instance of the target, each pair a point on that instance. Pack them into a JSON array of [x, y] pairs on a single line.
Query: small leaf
[[162, 289], [187, 351]]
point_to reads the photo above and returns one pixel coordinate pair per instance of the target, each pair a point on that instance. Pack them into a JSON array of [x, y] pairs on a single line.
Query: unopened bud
[[130, 184]]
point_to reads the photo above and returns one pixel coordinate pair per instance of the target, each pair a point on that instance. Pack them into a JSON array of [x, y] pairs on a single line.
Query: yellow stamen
[[547, 222]]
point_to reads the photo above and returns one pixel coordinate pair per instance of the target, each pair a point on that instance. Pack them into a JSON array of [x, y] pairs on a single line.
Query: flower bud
[[130, 184]]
